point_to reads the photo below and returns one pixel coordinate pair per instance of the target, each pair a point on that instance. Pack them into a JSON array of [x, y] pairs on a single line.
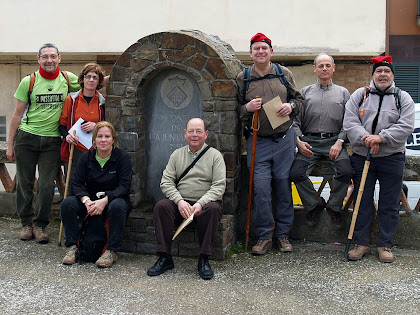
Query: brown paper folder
[[183, 225], [270, 109]]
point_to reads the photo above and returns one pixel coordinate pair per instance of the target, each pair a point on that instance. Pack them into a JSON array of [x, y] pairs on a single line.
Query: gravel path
[[313, 279]]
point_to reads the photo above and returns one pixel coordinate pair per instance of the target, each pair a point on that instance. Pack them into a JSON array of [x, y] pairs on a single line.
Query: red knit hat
[[382, 61], [260, 37]]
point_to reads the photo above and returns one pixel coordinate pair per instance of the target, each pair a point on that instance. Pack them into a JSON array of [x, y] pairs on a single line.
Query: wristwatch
[[341, 140], [292, 104], [85, 199]]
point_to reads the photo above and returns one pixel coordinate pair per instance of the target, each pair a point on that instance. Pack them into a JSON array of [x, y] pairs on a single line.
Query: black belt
[[322, 135], [276, 135]]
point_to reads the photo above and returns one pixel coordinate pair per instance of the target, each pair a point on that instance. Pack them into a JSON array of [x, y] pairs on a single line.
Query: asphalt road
[[313, 279]]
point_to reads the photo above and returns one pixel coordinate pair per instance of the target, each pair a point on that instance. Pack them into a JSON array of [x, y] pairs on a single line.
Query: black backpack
[[93, 238], [397, 96], [367, 92]]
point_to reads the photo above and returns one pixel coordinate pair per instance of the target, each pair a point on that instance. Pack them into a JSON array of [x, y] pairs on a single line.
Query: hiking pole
[[357, 205], [60, 234], [251, 172]]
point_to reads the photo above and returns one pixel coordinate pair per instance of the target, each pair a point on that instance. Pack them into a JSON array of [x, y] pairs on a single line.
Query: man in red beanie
[[381, 123], [275, 149]]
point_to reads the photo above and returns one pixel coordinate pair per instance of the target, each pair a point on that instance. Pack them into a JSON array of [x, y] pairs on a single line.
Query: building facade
[[101, 30]]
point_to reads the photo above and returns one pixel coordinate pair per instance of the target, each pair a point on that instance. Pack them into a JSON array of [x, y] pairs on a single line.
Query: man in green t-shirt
[[34, 139]]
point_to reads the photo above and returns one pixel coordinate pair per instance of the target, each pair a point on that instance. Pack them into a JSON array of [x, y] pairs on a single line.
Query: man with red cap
[[378, 118], [275, 149]]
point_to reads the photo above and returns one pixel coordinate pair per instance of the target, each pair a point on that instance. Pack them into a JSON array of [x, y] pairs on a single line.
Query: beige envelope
[[270, 109], [183, 225]]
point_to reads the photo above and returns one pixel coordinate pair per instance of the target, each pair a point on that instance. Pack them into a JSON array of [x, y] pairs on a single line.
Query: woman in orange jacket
[[87, 104]]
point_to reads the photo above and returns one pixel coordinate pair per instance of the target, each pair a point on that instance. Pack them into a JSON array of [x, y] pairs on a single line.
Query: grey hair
[[323, 54], [48, 45]]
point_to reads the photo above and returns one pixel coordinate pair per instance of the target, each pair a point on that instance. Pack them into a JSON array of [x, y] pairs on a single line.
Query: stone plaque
[[172, 99]]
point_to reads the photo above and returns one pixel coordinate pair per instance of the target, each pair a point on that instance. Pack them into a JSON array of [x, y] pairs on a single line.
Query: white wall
[[109, 26]]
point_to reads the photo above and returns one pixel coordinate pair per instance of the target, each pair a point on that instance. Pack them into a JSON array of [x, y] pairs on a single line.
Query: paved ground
[[313, 279]]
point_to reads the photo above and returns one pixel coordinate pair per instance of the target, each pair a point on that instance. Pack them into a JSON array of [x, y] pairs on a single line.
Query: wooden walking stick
[[60, 234], [251, 173], [357, 205]]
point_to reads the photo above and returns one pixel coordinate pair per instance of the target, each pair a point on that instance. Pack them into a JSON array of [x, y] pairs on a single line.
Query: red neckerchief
[[48, 75]]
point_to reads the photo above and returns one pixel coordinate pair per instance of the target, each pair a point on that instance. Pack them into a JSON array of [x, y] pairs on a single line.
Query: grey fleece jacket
[[394, 125]]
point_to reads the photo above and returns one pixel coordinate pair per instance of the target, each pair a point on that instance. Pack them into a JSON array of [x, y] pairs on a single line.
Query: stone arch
[[211, 64]]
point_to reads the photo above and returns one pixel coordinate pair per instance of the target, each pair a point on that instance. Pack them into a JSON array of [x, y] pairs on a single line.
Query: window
[[407, 77]]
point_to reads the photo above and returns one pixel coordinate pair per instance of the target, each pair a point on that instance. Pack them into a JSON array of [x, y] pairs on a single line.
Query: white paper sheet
[[85, 138]]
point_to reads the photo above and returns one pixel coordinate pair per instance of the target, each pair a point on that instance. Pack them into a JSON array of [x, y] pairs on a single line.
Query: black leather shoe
[[204, 269], [162, 264]]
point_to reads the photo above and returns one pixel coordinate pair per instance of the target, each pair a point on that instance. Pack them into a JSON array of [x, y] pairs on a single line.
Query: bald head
[[196, 121], [324, 55], [195, 134]]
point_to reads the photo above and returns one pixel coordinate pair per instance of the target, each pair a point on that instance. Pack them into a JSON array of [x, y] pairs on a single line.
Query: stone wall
[[148, 92]]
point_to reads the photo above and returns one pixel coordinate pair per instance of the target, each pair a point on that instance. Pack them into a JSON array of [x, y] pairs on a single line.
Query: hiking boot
[[358, 252], [26, 233], [40, 235], [336, 218], [312, 217], [70, 257], [261, 247], [107, 259], [384, 254], [284, 245]]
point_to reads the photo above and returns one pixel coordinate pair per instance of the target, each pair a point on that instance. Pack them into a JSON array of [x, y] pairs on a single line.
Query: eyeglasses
[[89, 77], [198, 131], [45, 57]]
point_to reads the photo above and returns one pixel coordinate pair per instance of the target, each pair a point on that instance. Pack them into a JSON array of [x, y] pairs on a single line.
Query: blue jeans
[[30, 151], [72, 209]]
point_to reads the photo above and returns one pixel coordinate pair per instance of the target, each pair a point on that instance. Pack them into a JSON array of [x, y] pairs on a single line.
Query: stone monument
[[156, 86]]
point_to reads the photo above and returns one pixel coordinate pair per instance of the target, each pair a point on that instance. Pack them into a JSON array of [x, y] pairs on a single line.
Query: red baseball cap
[[260, 37]]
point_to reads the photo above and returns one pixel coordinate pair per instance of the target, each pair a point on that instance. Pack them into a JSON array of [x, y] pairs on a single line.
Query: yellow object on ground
[[295, 194]]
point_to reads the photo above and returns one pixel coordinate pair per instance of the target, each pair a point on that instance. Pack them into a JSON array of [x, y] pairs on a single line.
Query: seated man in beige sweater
[[200, 192]]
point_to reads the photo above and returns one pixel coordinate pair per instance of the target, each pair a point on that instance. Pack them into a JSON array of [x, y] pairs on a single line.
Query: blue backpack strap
[[280, 73], [247, 75], [283, 80]]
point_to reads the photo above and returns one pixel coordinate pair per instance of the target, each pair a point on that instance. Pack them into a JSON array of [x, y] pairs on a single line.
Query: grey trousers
[[273, 205], [303, 166]]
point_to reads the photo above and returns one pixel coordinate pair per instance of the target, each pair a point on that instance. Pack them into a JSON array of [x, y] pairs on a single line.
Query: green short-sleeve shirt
[[47, 101]]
